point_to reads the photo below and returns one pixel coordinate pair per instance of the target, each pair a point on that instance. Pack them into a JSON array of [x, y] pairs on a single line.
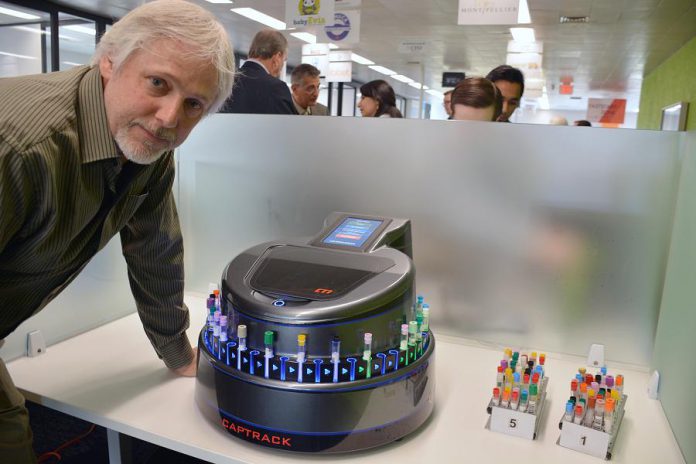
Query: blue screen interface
[[353, 232]]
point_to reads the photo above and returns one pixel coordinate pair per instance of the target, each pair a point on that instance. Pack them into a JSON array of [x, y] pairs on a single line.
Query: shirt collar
[[260, 64], [96, 141], [300, 110]]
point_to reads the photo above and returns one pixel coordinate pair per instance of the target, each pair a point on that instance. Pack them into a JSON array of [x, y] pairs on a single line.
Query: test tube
[[598, 423], [619, 383], [301, 355], [496, 396], [515, 399], [367, 353], [425, 326], [403, 345], [524, 400], [579, 413], [412, 330], [533, 395], [268, 351], [335, 356], [242, 336], [609, 408], [499, 378], [216, 339], [222, 352], [505, 402], [568, 416]]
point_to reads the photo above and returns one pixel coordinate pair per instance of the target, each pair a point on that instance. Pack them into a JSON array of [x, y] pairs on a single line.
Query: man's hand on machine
[[190, 369]]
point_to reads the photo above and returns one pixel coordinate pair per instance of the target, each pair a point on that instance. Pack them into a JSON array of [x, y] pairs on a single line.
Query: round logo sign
[[340, 28]]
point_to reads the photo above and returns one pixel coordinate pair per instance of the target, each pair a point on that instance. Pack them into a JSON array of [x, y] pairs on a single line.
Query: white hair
[[178, 20]]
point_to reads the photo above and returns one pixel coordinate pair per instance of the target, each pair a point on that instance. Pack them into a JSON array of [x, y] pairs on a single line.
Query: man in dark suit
[[257, 87]]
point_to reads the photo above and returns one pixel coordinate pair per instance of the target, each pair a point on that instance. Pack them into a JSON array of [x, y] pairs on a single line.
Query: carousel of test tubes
[[597, 402], [228, 341], [520, 383]]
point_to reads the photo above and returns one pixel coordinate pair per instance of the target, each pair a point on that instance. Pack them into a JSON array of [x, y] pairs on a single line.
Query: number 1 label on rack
[[584, 439]]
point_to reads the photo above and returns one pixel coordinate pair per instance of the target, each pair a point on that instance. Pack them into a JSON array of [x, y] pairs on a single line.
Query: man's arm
[[15, 194], [153, 247]]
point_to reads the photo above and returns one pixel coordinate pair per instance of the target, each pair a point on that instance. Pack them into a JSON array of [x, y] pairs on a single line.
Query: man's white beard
[[137, 152]]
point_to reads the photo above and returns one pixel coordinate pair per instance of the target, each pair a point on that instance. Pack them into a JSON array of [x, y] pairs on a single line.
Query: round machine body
[[317, 417], [311, 353]]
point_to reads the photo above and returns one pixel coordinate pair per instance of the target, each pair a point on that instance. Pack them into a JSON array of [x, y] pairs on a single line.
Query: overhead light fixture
[[259, 17], [305, 36], [82, 29], [382, 70], [15, 55], [523, 34], [360, 59], [402, 78], [435, 93], [219, 1], [17, 14], [523, 13], [417, 85], [333, 46], [34, 30]]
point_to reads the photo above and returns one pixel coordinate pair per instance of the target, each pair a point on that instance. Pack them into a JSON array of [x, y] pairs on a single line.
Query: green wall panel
[[675, 340], [671, 82]]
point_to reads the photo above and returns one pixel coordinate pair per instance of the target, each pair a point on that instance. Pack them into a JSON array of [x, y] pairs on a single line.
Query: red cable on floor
[[55, 453]]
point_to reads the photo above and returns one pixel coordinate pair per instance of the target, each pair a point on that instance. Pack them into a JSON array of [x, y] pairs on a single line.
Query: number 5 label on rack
[[511, 422], [584, 439]]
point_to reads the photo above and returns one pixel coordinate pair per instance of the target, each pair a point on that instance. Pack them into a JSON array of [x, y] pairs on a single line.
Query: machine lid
[[313, 273]]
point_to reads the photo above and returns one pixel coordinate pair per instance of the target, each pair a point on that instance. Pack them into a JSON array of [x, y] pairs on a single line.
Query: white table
[[112, 377]]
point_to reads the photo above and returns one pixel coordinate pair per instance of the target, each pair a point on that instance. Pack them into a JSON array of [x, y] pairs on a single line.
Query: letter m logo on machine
[[323, 291]]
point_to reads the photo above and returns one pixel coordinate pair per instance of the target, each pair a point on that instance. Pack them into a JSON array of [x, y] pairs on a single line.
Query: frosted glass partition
[[98, 295], [533, 236], [674, 341]]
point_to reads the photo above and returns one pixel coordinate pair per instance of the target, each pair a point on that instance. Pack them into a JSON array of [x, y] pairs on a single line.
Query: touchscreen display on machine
[[352, 232]]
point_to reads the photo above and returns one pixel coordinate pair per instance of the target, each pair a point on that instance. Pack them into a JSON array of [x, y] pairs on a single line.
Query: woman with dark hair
[[476, 99], [378, 101]]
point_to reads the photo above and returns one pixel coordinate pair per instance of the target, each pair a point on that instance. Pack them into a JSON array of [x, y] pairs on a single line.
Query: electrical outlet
[[36, 345]]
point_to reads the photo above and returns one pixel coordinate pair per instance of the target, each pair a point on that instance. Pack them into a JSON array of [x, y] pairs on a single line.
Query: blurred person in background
[[476, 99], [378, 100], [510, 82], [305, 90]]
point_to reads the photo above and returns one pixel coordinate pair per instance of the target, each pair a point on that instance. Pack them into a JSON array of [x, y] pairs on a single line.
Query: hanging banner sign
[[606, 110], [347, 4], [488, 12], [345, 28], [414, 46], [308, 13], [340, 66], [318, 56]]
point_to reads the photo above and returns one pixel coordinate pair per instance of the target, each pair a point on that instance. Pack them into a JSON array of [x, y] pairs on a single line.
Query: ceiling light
[[417, 85], [360, 59], [435, 93], [523, 13], [383, 70], [14, 55], [402, 78], [333, 46], [82, 29], [34, 30], [523, 34], [219, 1], [18, 14], [305, 36], [262, 18]]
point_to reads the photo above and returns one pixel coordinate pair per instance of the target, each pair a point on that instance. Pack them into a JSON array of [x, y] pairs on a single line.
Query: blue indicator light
[[279, 302], [383, 357], [395, 353], [275, 368], [252, 354], [283, 360], [291, 369], [317, 371], [352, 362], [230, 355]]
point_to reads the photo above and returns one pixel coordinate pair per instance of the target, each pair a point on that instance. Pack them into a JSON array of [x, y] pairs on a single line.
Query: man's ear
[[106, 67]]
